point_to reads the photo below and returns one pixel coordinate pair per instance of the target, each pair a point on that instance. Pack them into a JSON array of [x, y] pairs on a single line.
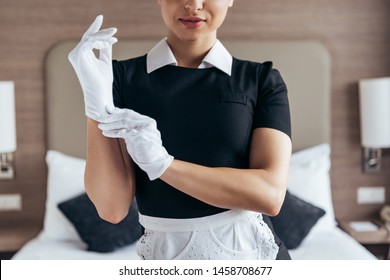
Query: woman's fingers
[[95, 26]]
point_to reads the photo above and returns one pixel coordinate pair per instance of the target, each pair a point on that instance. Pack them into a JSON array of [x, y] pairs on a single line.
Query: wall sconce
[[374, 95], [7, 129]]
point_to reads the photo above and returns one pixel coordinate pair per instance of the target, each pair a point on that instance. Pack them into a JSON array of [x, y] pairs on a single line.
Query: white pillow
[[65, 180], [309, 180]]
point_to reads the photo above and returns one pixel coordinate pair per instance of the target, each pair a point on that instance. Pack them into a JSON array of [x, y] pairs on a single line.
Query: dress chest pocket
[[233, 121], [233, 98]]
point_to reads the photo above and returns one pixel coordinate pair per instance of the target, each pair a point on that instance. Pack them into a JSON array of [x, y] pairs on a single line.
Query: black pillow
[[100, 235], [295, 220]]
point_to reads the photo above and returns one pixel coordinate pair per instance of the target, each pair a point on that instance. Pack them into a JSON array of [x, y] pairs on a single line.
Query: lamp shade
[[374, 95], [7, 117]]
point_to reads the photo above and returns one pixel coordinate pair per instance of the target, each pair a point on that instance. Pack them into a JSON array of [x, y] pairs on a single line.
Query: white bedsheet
[[333, 244], [40, 248]]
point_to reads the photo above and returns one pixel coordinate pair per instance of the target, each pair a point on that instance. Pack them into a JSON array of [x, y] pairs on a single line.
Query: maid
[[200, 138]]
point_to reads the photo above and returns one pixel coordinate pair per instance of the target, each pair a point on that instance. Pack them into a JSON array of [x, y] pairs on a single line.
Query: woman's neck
[[190, 53]]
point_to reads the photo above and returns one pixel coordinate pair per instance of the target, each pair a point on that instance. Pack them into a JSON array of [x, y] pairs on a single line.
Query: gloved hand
[[95, 74], [143, 139]]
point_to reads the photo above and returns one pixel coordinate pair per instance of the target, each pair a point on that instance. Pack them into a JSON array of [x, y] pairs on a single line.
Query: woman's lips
[[191, 22]]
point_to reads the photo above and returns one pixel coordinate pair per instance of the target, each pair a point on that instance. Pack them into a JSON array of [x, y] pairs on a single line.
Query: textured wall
[[356, 32]]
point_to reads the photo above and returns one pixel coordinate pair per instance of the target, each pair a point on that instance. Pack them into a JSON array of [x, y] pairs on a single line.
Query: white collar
[[161, 55]]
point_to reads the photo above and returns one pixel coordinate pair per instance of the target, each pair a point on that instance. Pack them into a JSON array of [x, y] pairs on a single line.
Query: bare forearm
[[109, 176], [250, 189]]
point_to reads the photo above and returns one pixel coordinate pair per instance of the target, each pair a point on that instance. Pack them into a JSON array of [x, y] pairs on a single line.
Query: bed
[[308, 220]]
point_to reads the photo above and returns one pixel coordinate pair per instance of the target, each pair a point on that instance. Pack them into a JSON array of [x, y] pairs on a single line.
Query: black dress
[[205, 117]]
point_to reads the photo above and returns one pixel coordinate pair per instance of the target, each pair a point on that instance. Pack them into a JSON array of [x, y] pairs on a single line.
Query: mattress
[[333, 244], [40, 248]]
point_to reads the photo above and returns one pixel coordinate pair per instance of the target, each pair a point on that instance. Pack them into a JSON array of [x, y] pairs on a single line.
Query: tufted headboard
[[304, 65]]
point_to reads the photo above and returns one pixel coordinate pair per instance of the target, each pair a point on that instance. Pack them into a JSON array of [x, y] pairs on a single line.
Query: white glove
[[143, 139], [95, 74]]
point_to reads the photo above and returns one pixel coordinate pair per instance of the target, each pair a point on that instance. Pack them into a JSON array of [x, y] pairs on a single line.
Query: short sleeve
[[117, 92], [272, 107]]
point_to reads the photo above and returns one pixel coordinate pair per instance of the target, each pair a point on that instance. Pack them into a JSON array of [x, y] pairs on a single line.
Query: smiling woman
[[196, 24], [202, 139]]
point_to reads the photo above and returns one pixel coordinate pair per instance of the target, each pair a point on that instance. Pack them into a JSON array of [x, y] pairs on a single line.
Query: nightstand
[[13, 238], [377, 242]]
